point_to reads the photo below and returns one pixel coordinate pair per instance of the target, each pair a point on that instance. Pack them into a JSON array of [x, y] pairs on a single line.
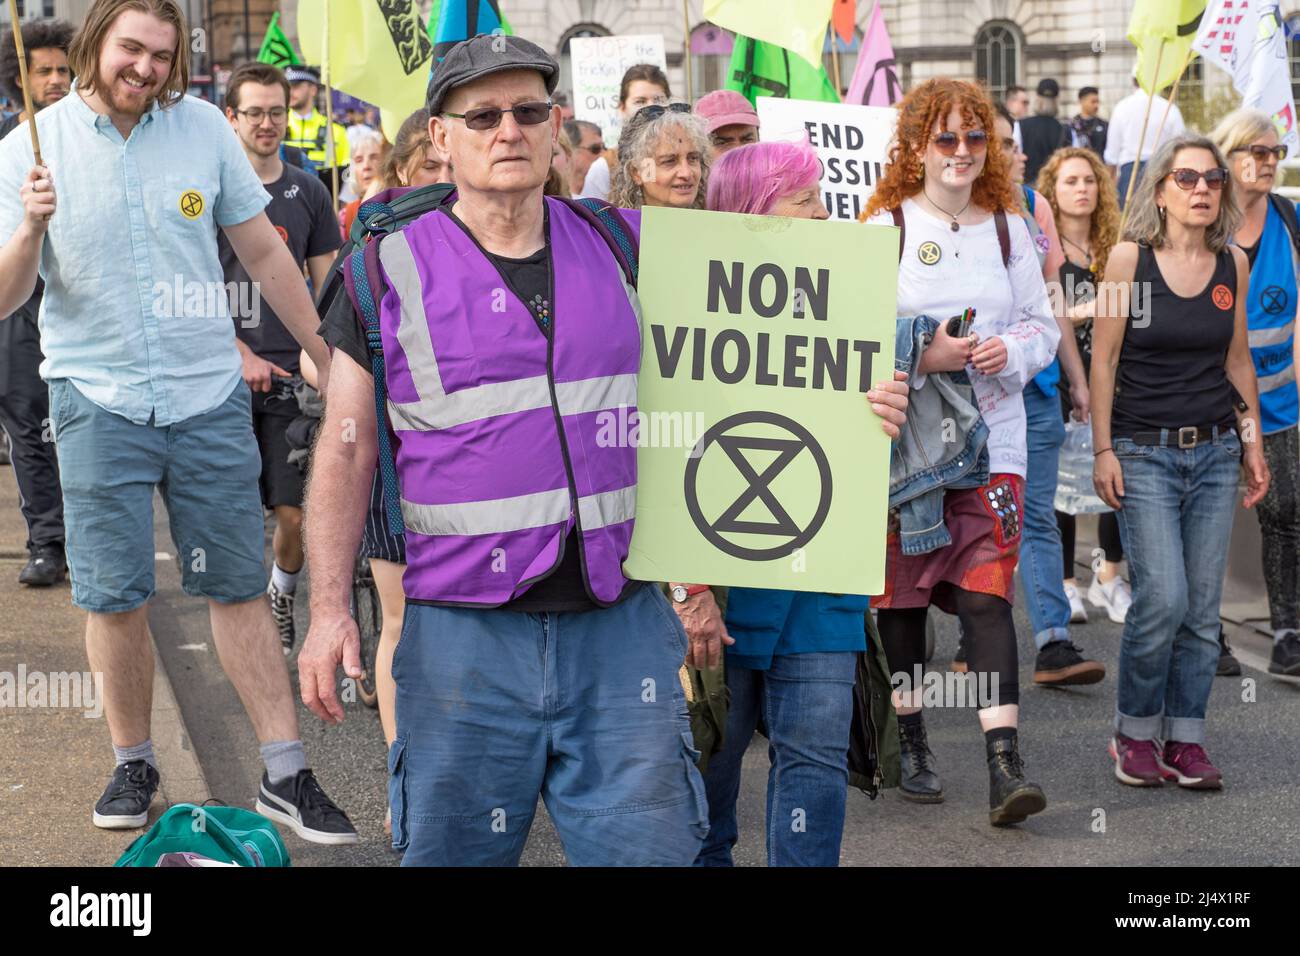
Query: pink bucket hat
[[726, 108]]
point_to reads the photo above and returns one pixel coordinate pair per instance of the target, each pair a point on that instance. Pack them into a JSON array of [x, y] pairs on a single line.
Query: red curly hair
[[927, 104]]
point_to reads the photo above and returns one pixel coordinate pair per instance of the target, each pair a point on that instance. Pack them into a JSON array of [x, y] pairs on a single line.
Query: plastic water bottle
[[1075, 494]]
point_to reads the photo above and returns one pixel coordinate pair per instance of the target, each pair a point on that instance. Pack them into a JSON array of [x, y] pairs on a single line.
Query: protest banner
[[598, 67], [852, 143], [759, 460]]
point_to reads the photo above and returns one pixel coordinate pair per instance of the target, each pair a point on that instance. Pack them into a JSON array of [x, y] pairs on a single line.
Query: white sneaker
[[1078, 615], [1114, 597]]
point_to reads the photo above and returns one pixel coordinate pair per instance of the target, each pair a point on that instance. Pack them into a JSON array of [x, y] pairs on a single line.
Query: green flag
[[276, 48], [764, 69]]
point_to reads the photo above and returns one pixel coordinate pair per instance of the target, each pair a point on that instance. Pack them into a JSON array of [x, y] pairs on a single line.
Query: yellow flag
[[800, 26], [1172, 23], [379, 52]]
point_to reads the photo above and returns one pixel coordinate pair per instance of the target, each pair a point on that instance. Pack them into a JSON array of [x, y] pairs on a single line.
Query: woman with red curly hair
[[964, 246]]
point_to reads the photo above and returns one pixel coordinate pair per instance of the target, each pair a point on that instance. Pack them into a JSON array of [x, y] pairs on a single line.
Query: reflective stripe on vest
[[1259, 338], [516, 514], [1269, 382], [435, 408]]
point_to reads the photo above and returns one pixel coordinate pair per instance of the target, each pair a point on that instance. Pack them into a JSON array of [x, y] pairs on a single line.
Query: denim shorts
[[206, 469], [584, 709]]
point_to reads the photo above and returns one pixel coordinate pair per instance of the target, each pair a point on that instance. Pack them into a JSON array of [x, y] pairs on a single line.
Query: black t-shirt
[[301, 211], [529, 278], [1251, 252], [1171, 365]]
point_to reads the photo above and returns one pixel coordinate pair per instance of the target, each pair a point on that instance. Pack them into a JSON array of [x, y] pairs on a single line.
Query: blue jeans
[[1125, 174], [806, 703], [1040, 544], [1175, 523], [206, 469], [586, 709]]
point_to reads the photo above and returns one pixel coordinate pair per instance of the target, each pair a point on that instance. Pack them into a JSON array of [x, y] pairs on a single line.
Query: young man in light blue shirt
[[145, 383]]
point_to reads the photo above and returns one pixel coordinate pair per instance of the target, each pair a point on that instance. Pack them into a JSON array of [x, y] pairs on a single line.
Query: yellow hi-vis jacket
[[309, 135]]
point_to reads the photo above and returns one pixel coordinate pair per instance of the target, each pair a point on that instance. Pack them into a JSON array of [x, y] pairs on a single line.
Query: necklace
[[953, 216], [1086, 253]]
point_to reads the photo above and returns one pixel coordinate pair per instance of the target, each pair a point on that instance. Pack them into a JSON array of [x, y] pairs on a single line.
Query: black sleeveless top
[[1171, 372]]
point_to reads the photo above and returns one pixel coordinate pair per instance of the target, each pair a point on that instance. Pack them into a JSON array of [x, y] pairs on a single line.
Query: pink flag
[[875, 81]]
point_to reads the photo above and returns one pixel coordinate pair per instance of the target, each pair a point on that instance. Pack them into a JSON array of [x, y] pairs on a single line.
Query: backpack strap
[[901, 223], [613, 228], [366, 295], [1004, 236], [1029, 198]]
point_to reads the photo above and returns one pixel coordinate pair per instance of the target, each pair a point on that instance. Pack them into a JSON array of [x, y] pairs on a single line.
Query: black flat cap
[[484, 55], [1048, 88]]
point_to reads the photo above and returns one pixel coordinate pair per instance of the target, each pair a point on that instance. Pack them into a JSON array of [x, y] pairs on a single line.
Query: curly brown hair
[[927, 104], [1103, 232]]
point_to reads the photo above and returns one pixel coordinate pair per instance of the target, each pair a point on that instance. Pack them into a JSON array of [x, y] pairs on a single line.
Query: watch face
[[679, 594]]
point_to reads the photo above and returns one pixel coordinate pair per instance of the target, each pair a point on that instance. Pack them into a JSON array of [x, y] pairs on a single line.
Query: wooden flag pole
[[1137, 162], [329, 112], [1173, 93], [686, 60], [835, 61], [22, 74]]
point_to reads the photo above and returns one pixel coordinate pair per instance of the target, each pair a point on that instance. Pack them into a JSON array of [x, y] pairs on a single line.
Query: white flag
[[1246, 39]]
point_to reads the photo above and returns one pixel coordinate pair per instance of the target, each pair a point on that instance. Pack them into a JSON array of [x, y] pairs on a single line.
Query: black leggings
[[990, 640], [1107, 535]]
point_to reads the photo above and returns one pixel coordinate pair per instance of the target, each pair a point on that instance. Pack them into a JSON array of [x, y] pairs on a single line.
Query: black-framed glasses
[[256, 115], [946, 142], [656, 110], [489, 117], [1261, 153], [1188, 178]]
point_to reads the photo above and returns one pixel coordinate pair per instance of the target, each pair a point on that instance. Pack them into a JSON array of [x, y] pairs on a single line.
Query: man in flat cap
[[528, 663]]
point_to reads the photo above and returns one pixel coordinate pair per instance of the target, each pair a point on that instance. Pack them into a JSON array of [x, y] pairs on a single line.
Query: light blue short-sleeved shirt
[[135, 312]]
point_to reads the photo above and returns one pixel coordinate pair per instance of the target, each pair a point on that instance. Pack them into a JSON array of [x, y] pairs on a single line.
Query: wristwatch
[[681, 592]]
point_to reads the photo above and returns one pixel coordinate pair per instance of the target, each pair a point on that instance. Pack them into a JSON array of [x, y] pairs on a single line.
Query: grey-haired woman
[[663, 159]]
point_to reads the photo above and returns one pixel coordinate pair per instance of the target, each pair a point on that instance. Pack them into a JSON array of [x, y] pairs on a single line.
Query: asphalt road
[[1090, 819]]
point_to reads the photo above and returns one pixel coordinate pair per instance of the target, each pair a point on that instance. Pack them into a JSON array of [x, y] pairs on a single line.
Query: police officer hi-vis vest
[[310, 135]]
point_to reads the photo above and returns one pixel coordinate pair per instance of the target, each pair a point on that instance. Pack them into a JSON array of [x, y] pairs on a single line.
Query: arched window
[[848, 57], [566, 62], [997, 56], [711, 48]]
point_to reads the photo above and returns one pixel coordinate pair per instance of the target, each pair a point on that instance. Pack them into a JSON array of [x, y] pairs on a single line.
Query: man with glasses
[[588, 143], [732, 121], [529, 665], [257, 105]]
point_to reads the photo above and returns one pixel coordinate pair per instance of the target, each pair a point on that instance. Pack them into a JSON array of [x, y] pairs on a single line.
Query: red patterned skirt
[[985, 526]]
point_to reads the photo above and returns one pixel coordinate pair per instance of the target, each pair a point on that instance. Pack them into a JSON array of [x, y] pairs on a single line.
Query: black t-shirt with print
[[563, 589]]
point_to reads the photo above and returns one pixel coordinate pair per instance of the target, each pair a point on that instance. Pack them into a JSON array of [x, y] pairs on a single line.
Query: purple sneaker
[[1137, 762], [1189, 765]]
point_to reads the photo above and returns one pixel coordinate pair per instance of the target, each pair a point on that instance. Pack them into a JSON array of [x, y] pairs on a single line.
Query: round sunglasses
[[1188, 178], [1261, 153], [946, 142], [656, 110], [489, 117]]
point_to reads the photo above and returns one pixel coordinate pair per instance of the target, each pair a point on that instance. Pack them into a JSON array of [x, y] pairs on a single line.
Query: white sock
[[284, 582]]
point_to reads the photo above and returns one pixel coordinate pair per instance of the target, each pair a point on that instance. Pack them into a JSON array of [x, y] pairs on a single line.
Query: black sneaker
[[1286, 656], [282, 614], [1060, 663], [45, 568], [300, 804], [126, 799], [1229, 666]]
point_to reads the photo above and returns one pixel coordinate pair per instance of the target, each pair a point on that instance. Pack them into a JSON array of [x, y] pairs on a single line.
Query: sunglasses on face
[[656, 110], [1261, 153], [1188, 178], [946, 142], [489, 117]]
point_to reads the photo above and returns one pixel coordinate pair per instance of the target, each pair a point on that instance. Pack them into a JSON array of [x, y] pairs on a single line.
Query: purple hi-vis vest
[[496, 424]]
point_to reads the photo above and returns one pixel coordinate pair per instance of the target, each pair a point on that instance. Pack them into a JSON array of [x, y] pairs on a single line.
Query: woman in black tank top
[[1172, 385]]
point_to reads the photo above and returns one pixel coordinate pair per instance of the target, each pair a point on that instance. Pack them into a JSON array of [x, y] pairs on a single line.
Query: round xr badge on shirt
[[929, 253], [191, 204], [1222, 297]]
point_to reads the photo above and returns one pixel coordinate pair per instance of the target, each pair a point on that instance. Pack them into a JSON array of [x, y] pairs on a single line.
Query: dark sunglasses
[[1262, 153], [1188, 178], [656, 110], [489, 117], [946, 142]]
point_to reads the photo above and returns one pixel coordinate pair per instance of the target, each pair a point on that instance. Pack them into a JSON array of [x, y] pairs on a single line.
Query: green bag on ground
[[224, 834]]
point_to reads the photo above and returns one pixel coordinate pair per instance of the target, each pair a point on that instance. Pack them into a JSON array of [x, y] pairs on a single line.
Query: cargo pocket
[[695, 783], [397, 791]]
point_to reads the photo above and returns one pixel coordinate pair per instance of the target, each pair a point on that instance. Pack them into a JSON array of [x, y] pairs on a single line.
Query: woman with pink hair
[[791, 656]]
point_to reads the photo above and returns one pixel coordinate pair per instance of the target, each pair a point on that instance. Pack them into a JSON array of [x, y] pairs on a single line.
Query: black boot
[[920, 783], [1228, 665], [1011, 797]]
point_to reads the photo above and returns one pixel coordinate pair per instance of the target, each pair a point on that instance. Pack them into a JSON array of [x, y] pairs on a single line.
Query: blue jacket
[[943, 445], [766, 623]]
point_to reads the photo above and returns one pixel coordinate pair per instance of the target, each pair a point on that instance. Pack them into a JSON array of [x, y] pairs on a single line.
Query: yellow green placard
[[759, 460]]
